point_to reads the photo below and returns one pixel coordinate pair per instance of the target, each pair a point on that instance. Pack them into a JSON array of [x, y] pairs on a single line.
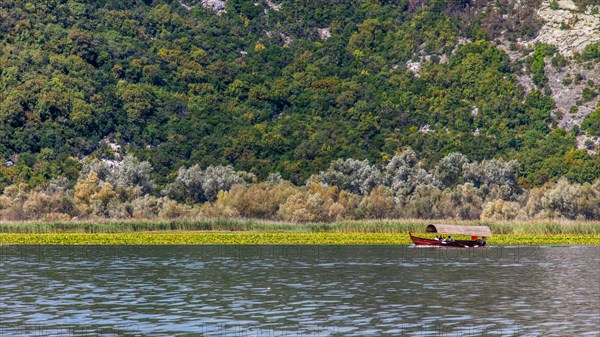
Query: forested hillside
[[286, 87]]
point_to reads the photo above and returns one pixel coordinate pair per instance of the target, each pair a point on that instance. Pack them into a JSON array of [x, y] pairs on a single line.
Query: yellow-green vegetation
[[265, 232], [184, 238]]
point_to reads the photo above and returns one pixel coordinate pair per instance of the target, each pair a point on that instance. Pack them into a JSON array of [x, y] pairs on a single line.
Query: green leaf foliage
[[259, 88]]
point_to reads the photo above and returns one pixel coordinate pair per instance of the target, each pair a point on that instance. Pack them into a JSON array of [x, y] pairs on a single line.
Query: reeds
[[365, 226]]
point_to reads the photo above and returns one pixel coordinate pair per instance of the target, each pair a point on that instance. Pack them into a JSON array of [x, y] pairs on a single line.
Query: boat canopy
[[464, 230]]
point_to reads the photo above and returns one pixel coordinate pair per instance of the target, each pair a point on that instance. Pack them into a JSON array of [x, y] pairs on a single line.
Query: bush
[[127, 173], [462, 202], [352, 175], [561, 200], [588, 204], [378, 204], [500, 210], [492, 172], [195, 185], [423, 203], [403, 174], [449, 170], [310, 206], [257, 200]]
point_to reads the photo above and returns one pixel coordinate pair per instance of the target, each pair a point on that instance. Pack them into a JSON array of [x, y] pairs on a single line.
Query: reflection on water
[[299, 291]]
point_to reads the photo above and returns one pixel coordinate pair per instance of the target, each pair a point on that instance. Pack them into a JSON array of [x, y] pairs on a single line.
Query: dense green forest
[[260, 89]]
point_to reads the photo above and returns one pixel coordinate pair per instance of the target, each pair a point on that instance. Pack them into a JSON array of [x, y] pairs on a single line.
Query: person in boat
[[449, 239], [482, 243]]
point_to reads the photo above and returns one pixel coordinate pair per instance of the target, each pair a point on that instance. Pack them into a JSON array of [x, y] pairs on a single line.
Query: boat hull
[[435, 243]]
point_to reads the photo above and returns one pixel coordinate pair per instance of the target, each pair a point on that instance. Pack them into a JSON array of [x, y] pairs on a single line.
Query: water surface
[[299, 291]]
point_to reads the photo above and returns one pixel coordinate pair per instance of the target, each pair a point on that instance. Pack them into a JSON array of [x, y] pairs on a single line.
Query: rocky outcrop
[[570, 30], [285, 38], [187, 7], [567, 95], [215, 5], [273, 6], [590, 144], [414, 66], [567, 28], [324, 33]]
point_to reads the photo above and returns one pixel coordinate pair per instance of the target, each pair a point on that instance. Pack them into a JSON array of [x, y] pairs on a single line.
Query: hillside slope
[[289, 87]]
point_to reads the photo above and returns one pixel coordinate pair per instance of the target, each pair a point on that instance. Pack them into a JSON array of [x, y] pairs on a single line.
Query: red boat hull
[[457, 243]]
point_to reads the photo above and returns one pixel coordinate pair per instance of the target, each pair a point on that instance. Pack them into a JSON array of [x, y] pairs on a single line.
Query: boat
[[477, 233]]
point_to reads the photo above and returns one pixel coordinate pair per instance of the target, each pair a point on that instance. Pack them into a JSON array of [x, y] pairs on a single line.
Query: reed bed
[[370, 226]]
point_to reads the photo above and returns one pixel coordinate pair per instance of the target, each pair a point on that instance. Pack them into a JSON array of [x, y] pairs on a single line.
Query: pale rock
[[286, 39], [584, 28], [273, 6], [324, 33], [186, 7], [583, 140], [215, 5], [414, 66], [566, 96]]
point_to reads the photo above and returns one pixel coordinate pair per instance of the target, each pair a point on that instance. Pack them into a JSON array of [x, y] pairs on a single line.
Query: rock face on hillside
[[570, 30], [568, 97], [215, 5], [567, 28]]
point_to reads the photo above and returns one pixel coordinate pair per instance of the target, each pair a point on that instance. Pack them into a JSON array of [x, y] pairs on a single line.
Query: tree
[[449, 170], [195, 185], [355, 176], [561, 201], [403, 174]]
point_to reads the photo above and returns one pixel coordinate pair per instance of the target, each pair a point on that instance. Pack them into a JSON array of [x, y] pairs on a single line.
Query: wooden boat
[[473, 231]]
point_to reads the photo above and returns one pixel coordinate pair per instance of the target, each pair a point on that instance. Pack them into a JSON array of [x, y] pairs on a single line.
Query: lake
[[272, 290]]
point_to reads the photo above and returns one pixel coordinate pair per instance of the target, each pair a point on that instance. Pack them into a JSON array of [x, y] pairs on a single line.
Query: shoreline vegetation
[[350, 190], [265, 232]]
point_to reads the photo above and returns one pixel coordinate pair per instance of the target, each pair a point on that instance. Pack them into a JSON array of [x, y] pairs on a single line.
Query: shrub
[[561, 200], [195, 185], [352, 175], [128, 173], [588, 204], [492, 172], [55, 217], [378, 204], [403, 174], [310, 206], [500, 210], [257, 200], [462, 202], [423, 203], [449, 170]]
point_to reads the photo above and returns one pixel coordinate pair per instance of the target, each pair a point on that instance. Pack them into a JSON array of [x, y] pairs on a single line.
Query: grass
[[366, 226], [264, 232]]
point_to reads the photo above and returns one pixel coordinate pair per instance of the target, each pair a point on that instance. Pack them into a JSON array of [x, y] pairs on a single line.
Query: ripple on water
[[351, 291]]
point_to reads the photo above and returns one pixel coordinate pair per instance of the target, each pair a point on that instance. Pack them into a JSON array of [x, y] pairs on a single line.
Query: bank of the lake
[[229, 231], [255, 238], [366, 226]]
